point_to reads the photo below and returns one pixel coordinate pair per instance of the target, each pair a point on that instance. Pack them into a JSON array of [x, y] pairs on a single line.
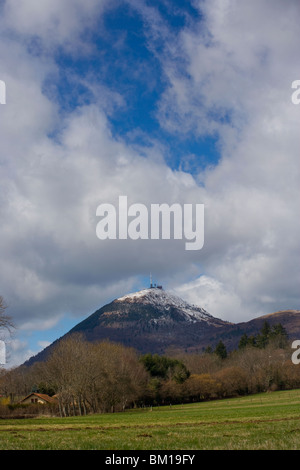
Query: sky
[[164, 101]]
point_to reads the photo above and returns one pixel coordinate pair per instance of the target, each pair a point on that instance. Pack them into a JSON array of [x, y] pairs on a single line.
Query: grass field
[[269, 421]]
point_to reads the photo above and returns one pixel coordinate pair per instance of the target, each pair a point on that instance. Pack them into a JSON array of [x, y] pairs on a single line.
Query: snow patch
[[160, 298]]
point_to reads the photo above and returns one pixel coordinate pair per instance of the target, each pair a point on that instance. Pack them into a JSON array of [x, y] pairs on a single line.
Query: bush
[[20, 410], [165, 367], [232, 381], [201, 387]]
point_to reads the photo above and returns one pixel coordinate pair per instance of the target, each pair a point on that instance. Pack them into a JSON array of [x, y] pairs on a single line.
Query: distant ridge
[[289, 319]]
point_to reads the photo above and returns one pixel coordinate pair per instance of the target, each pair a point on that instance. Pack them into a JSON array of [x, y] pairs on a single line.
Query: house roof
[[43, 396]]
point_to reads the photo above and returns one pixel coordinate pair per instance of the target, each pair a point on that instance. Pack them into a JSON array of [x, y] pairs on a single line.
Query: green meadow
[[269, 421]]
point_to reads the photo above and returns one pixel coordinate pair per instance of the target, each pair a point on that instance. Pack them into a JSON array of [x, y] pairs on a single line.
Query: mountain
[[150, 320], [153, 320]]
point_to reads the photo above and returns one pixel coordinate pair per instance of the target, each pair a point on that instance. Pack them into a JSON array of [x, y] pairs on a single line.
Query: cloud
[[238, 60], [17, 352], [215, 297], [53, 22]]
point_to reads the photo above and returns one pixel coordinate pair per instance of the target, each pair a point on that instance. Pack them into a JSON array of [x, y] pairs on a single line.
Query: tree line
[[104, 377], [276, 334]]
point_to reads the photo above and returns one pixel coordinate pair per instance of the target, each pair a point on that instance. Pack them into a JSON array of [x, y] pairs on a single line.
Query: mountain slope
[[150, 320], [289, 319]]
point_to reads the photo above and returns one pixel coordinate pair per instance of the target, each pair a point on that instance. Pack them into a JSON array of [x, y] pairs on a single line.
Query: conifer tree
[[221, 350]]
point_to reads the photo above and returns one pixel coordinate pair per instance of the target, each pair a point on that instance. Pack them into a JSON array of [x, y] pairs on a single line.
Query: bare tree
[[5, 320], [95, 377], [6, 326], [66, 372]]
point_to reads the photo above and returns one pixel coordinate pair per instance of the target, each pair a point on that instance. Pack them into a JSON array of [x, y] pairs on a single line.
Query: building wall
[[36, 400]]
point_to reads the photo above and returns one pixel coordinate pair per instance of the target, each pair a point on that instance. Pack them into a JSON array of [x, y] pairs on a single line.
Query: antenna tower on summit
[[154, 286]]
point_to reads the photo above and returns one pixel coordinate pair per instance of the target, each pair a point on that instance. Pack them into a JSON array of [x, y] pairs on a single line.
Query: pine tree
[[244, 341], [262, 339], [221, 350], [279, 335]]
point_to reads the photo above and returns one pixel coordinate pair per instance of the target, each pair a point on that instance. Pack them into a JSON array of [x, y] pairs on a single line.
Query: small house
[[40, 398]]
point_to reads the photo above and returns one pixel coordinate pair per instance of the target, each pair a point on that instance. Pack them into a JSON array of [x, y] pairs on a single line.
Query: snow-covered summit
[[157, 297]]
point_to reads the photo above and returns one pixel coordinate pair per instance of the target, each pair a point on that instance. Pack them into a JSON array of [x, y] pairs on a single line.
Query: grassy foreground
[[266, 421]]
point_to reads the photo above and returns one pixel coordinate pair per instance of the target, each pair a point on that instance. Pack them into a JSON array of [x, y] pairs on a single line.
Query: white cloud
[[44, 344], [17, 352], [215, 297], [54, 22], [239, 60]]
